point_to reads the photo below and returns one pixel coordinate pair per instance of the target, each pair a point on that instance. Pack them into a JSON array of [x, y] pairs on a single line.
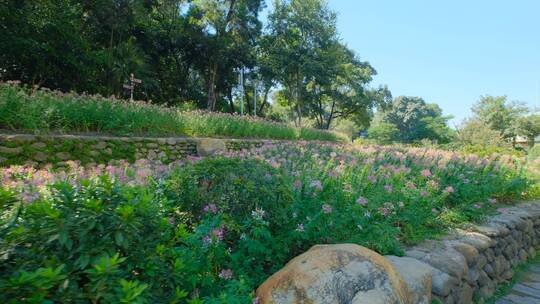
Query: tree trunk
[[265, 101], [331, 116], [211, 103]]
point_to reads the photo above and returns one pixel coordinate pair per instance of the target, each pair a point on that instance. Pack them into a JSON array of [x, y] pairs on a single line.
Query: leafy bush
[[211, 230], [46, 111]]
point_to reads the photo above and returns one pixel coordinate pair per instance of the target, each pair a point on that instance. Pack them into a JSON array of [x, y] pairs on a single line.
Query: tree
[[475, 132], [231, 28], [499, 114], [416, 120], [299, 31], [383, 133], [322, 79], [529, 126]]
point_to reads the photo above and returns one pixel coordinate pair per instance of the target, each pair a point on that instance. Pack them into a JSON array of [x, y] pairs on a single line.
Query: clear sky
[[447, 52]]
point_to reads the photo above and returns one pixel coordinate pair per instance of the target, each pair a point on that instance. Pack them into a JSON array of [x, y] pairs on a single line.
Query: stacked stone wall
[[39, 150]]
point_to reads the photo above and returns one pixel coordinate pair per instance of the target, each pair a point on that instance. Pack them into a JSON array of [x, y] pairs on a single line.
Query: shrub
[[211, 230]]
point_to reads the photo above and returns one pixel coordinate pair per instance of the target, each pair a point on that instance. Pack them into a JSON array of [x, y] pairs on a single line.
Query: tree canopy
[[411, 119]]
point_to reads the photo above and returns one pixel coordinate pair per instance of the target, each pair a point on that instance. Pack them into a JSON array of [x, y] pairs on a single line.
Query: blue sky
[[447, 52]]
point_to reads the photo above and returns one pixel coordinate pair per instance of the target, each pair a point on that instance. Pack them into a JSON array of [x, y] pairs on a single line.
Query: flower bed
[[43, 111], [211, 230]]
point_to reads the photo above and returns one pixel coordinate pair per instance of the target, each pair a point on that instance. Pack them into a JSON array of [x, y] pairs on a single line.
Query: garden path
[[526, 290]]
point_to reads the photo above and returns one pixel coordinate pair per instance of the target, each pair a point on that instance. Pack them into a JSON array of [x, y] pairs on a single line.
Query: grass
[[45, 111]]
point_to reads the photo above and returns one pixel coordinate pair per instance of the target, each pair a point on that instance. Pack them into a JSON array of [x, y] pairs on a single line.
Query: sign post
[[131, 86]]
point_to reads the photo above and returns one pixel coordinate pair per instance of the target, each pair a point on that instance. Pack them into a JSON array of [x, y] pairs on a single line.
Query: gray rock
[[40, 156], [443, 284], [100, 145], [464, 295], [63, 155], [477, 240], [11, 151], [469, 252], [39, 145], [417, 276], [442, 257]]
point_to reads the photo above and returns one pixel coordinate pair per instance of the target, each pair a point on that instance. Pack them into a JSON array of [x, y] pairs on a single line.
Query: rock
[[469, 252], [171, 141], [417, 276], [63, 155], [523, 255], [464, 295], [343, 273], [11, 151], [492, 229], [209, 146], [40, 156], [94, 153], [108, 151], [152, 145], [477, 240], [489, 270], [442, 283], [39, 145], [151, 154], [483, 278], [441, 256], [100, 145]]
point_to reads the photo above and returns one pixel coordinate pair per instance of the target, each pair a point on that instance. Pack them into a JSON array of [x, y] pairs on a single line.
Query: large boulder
[[336, 274]]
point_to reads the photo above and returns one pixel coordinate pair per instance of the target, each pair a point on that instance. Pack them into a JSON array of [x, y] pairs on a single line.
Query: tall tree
[[499, 114], [415, 120], [232, 28]]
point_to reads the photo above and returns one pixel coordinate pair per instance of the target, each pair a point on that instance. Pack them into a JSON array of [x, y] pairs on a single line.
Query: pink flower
[[425, 173], [388, 188], [300, 228], [327, 208], [410, 185], [362, 201], [316, 184], [226, 274], [424, 193], [384, 211], [211, 208], [372, 178], [492, 200], [477, 206], [298, 184], [449, 189]]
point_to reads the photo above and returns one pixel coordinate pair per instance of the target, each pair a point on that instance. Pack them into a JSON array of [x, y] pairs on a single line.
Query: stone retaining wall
[[56, 149], [463, 267]]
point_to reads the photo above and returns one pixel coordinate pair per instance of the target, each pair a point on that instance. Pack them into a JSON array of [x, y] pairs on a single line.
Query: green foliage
[[213, 229], [42, 111], [383, 133], [416, 120], [499, 114], [534, 152]]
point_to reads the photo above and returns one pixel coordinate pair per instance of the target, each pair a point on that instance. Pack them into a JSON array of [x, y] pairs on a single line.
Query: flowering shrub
[[43, 110], [211, 230]]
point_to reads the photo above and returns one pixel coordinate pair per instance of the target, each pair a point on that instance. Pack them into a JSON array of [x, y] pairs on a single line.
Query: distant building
[[523, 140]]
